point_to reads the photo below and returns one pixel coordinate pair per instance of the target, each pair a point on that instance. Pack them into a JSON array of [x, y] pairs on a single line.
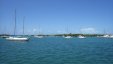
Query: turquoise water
[[57, 50]]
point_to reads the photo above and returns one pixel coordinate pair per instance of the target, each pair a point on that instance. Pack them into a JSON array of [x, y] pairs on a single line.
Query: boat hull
[[81, 36], [68, 37], [17, 39], [38, 36]]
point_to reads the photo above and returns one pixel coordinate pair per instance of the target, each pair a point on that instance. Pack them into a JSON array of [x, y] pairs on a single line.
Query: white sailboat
[[17, 38], [14, 38], [39, 35], [80, 36], [106, 36], [67, 36]]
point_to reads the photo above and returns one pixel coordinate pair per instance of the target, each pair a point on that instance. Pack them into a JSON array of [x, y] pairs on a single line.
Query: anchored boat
[[15, 38], [80, 36]]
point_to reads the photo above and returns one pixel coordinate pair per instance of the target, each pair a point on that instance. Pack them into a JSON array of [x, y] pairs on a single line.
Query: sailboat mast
[[67, 29], [15, 24], [39, 31], [23, 24], [105, 32]]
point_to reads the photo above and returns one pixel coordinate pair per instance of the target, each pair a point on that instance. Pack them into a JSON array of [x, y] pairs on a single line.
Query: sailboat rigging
[[15, 38]]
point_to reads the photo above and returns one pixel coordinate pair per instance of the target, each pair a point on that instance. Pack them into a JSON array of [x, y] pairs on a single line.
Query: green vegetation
[[4, 34], [75, 35]]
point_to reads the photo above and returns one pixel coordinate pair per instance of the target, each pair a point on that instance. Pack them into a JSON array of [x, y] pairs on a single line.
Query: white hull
[[67, 37], [111, 36], [81, 36], [106, 36], [18, 38], [4, 36], [38, 36]]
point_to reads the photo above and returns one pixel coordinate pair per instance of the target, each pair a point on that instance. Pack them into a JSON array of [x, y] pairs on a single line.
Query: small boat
[[80, 36], [67, 36], [4, 36], [105, 36], [38, 36]]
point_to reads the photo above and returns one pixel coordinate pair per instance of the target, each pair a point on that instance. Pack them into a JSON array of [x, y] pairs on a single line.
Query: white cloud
[[88, 30]]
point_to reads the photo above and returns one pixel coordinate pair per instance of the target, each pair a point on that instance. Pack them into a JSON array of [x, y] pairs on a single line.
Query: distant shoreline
[[74, 35]]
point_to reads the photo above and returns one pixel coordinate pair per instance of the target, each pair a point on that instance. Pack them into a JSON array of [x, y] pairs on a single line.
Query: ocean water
[[57, 50]]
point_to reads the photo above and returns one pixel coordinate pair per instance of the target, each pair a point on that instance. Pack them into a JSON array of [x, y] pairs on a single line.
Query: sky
[[57, 16]]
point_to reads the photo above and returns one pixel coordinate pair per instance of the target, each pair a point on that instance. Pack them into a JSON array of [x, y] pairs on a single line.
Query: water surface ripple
[[57, 50]]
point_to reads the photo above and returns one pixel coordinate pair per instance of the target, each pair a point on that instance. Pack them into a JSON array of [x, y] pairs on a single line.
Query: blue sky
[[55, 16]]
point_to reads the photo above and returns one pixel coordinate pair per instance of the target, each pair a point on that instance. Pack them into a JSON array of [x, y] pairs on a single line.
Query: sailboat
[[80, 36], [67, 36], [15, 38], [39, 35], [105, 35]]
